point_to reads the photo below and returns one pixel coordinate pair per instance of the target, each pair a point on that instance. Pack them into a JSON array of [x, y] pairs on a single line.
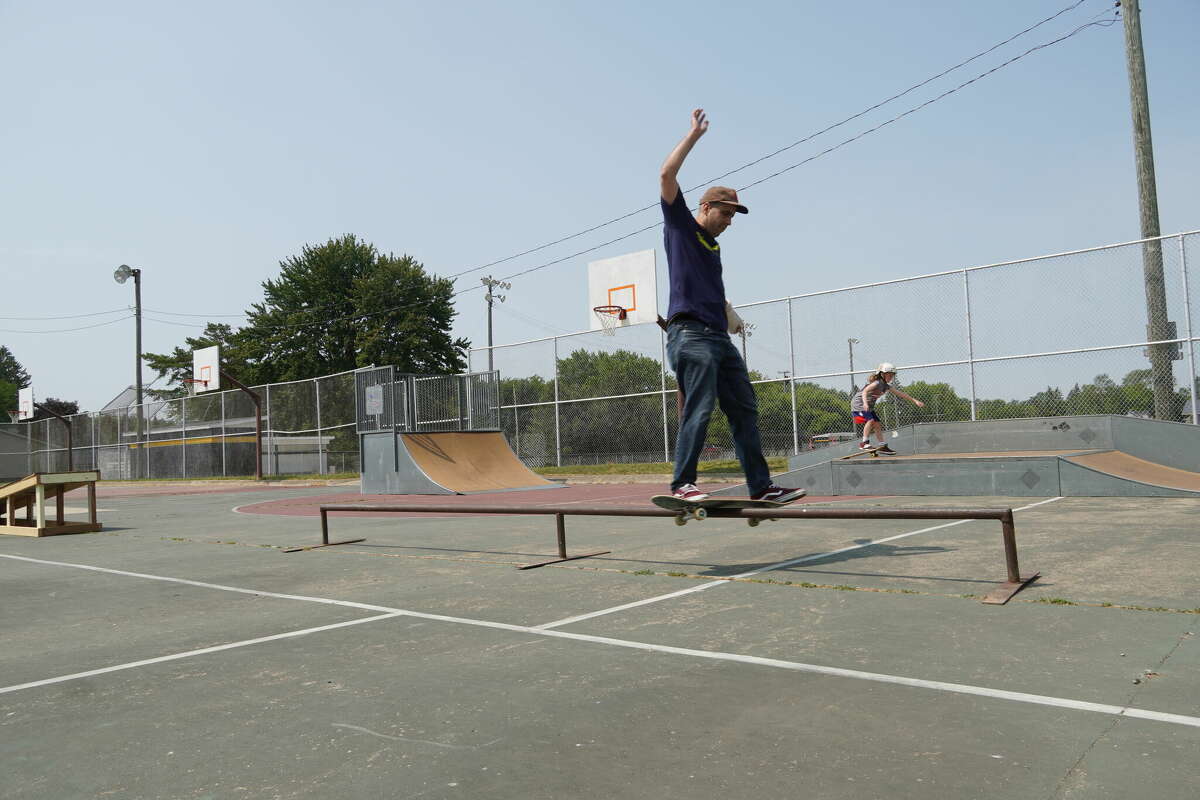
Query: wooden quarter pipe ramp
[[450, 462]]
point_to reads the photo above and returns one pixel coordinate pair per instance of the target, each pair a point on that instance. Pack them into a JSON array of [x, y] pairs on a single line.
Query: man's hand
[[668, 180], [734, 323]]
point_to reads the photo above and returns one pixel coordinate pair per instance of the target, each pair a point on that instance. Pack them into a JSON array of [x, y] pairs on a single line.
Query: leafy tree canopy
[[11, 369], [8, 397], [63, 407], [335, 307]]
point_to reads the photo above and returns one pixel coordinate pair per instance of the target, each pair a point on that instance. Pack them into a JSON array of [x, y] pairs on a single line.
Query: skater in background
[[862, 406]]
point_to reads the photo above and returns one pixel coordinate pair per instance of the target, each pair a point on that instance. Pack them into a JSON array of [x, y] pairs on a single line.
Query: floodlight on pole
[[491, 297], [120, 275]]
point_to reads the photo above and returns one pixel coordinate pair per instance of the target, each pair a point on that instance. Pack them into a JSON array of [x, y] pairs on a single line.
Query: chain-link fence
[[308, 427], [1108, 330]]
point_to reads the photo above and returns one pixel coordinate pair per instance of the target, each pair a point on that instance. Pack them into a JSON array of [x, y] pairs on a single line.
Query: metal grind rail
[[998, 596]]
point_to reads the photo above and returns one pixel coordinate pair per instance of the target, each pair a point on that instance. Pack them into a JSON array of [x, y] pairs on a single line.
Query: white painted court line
[[725, 581], [202, 585], [190, 653], [796, 666]]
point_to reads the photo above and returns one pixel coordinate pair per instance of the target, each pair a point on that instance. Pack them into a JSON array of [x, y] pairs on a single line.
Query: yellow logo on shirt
[[714, 248]]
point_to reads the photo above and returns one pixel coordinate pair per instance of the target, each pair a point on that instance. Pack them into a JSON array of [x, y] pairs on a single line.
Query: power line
[[943, 95], [64, 330], [798, 142], [70, 316], [356, 317], [367, 315]]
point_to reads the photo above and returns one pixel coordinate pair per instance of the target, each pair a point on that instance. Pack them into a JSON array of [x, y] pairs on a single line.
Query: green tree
[[177, 365], [64, 407], [343, 305], [8, 396], [942, 404], [594, 428], [11, 370], [820, 410], [334, 307]]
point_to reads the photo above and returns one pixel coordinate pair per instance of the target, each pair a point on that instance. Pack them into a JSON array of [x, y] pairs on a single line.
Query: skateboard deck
[[698, 509], [872, 451]]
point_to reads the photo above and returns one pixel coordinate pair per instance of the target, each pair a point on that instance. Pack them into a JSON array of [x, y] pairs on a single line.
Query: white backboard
[[206, 366], [25, 408], [627, 281]]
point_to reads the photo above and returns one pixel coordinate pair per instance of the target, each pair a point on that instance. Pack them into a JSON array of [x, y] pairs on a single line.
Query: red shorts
[[863, 417]]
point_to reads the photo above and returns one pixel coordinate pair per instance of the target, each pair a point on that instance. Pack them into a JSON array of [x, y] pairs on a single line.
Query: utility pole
[[491, 298], [1159, 326], [120, 275]]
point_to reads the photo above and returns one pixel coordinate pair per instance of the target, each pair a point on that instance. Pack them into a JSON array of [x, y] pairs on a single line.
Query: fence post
[[792, 381], [183, 431], [516, 422], [224, 469], [557, 439], [322, 457], [970, 338], [270, 438], [1187, 324]]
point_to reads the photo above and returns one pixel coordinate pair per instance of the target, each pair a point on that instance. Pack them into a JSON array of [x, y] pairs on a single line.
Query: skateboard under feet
[[698, 509]]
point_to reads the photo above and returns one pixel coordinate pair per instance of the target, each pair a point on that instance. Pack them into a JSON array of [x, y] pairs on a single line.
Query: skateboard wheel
[[753, 522], [681, 520], [700, 513]]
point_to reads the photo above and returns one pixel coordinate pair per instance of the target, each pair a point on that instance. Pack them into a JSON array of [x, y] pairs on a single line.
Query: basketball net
[[191, 384], [609, 317]]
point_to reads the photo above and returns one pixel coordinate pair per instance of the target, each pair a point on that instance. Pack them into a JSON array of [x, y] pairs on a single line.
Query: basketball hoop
[[609, 317], [192, 385], [14, 416]]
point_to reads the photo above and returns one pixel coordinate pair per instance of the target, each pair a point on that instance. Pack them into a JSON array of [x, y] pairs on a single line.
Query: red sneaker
[[689, 493]]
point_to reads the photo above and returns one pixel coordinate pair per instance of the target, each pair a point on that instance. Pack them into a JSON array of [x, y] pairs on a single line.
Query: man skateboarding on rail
[[708, 368]]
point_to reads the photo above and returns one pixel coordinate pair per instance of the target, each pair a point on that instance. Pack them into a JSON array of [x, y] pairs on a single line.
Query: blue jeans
[[710, 369]]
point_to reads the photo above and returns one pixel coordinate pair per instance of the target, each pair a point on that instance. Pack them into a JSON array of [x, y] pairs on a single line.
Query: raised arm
[[668, 176]]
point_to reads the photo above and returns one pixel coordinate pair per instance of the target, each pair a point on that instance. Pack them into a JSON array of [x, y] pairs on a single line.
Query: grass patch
[[1056, 601], [644, 572]]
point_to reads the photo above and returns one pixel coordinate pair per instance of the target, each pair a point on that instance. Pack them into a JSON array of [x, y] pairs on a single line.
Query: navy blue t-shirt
[[694, 265]]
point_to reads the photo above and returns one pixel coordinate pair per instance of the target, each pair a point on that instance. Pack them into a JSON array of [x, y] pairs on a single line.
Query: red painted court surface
[[622, 495]]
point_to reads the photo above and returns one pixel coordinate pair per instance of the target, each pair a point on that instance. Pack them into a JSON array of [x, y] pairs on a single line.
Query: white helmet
[[885, 367]]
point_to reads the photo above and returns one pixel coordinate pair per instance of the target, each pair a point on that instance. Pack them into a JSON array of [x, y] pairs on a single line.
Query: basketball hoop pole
[[257, 422], [67, 422]]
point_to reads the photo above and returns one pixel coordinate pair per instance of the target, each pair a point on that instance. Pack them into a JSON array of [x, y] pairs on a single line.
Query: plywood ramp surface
[[471, 461], [1123, 465]]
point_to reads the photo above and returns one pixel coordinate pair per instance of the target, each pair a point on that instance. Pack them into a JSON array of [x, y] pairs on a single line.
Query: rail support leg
[[324, 537], [1015, 583], [560, 523]]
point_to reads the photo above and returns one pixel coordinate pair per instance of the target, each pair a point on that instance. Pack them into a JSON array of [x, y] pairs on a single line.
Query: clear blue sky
[[205, 144]]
